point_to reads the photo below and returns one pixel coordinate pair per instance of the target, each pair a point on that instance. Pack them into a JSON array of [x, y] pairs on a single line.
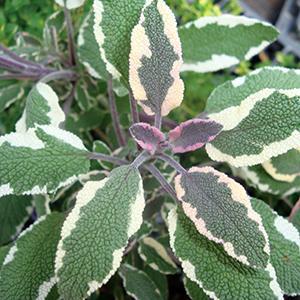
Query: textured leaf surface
[[14, 212], [285, 167], [42, 108], [265, 125], [10, 94], [214, 43], [207, 264], [160, 281], [114, 21], [221, 210], [285, 248], [193, 134], [257, 177], [155, 67], [106, 214], [156, 256], [138, 284], [101, 147], [40, 161], [193, 290], [148, 137], [28, 270], [70, 4], [3, 252]]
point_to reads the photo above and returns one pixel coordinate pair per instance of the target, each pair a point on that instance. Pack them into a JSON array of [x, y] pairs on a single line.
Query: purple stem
[[150, 119], [158, 120], [133, 108], [62, 74], [140, 159], [100, 156], [172, 162], [10, 64]]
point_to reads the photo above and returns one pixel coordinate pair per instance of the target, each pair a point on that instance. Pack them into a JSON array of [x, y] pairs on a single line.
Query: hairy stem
[[172, 162], [294, 210], [63, 74], [150, 119], [104, 157], [133, 108], [140, 159], [158, 120], [114, 114]]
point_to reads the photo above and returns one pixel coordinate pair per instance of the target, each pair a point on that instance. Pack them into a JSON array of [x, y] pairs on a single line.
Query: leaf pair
[[188, 136]]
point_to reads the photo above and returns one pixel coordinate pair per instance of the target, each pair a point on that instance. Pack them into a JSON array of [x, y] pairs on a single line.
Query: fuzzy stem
[[114, 113], [104, 157], [150, 119], [10, 64], [295, 210], [158, 120], [172, 162], [140, 159], [21, 76], [62, 74], [133, 108]]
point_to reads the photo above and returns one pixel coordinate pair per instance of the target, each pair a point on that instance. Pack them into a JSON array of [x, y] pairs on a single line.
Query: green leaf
[[3, 252], [257, 177], [155, 67], [94, 236], [101, 147], [296, 219], [41, 203], [10, 94], [285, 248], [42, 108], [70, 4], [138, 284], [14, 212], [285, 167], [28, 269], [221, 210], [219, 275], [214, 43], [193, 290], [112, 30], [160, 280], [156, 256], [40, 161]]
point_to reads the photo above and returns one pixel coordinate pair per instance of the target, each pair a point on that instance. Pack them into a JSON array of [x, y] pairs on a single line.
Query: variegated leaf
[[138, 284], [193, 290], [28, 268], [10, 94], [155, 66], [285, 248], [193, 134], [94, 236], [113, 24], [257, 177], [260, 114], [221, 210], [14, 212], [100, 147], [70, 4], [40, 160], [160, 280], [54, 25], [148, 137], [156, 256], [42, 108], [214, 43], [219, 275], [285, 167]]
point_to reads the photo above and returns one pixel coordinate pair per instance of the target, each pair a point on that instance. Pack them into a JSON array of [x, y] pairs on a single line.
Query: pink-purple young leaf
[[148, 137], [193, 134]]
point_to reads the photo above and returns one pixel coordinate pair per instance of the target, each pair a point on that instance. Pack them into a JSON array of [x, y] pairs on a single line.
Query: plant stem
[[68, 103], [104, 157], [140, 159], [150, 119], [157, 120], [114, 113], [62, 74], [172, 162], [133, 108], [21, 76], [294, 210]]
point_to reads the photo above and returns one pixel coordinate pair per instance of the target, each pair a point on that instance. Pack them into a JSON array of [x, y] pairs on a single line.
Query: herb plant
[[85, 214]]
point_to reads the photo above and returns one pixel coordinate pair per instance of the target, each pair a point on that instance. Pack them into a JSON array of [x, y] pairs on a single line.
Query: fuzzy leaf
[[138, 284], [10, 94], [40, 161], [148, 137], [221, 210], [260, 114], [106, 214], [54, 25], [193, 134], [193, 290], [156, 256], [70, 4], [257, 177], [155, 67], [214, 43], [42, 108], [28, 269], [14, 212], [3, 252], [285, 248], [207, 264], [114, 21], [285, 167]]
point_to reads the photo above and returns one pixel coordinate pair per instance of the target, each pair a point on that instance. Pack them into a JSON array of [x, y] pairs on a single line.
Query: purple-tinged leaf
[[148, 137], [193, 134]]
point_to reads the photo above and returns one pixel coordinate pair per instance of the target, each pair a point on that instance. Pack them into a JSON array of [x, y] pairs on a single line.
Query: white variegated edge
[[17, 97], [86, 195], [271, 170], [238, 194], [29, 210], [189, 268], [161, 252], [222, 61], [175, 94], [70, 4], [45, 288], [100, 38]]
